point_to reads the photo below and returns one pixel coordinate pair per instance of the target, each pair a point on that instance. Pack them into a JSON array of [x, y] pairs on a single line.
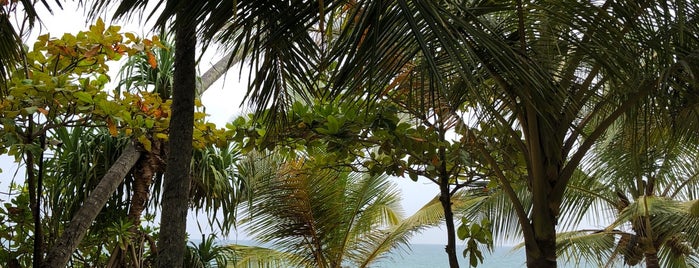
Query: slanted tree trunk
[[177, 180], [64, 247], [144, 173], [216, 71]]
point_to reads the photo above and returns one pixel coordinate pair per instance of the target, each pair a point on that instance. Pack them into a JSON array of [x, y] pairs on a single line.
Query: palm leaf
[[595, 247], [261, 257]]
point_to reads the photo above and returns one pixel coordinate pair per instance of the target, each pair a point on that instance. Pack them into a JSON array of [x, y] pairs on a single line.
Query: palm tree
[[550, 75], [324, 217], [251, 21], [642, 179]]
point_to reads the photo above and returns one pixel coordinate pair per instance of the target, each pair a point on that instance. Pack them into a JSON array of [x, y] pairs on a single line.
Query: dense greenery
[[527, 115]]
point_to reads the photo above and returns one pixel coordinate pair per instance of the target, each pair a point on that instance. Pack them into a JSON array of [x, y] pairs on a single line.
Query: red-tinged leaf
[[151, 60], [92, 52], [158, 113], [435, 161], [119, 48], [43, 111], [417, 139]]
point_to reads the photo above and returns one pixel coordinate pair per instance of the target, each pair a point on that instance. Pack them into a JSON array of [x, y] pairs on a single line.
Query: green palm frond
[[77, 166], [398, 236], [216, 189], [594, 247], [207, 254], [138, 74], [261, 257], [327, 216], [497, 207], [10, 50], [587, 196]]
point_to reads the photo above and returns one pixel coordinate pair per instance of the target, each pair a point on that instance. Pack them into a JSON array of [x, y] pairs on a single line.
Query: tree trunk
[[34, 206], [61, 251], [445, 200], [216, 71], [177, 180], [545, 253], [145, 172], [652, 259]]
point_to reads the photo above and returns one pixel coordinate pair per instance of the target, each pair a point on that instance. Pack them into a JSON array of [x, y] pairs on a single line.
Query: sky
[[222, 102]]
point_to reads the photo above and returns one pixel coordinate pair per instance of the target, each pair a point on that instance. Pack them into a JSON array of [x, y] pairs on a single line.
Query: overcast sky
[[222, 103]]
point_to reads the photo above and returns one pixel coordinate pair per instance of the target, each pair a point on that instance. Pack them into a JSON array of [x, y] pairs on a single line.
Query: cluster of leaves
[[374, 134], [385, 139], [475, 233], [15, 229], [62, 83]]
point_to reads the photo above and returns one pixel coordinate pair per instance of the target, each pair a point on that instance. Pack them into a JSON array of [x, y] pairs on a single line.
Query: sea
[[434, 256]]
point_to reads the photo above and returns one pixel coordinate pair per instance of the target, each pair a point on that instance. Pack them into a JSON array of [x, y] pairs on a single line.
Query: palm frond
[[261, 257], [216, 190], [594, 247]]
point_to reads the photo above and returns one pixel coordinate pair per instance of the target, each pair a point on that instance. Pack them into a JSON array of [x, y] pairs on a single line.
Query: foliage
[[16, 228], [552, 75], [57, 102], [475, 233], [642, 180], [62, 84], [207, 254]]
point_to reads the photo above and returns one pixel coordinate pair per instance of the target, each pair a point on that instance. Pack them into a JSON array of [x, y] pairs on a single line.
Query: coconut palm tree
[[322, 217], [551, 75], [255, 26], [642, 179]]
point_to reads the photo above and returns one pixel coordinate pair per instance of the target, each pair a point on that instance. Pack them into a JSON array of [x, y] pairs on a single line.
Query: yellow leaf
[[98, 28], [161, 136], [131, 37], [112, 127], [145, 142]]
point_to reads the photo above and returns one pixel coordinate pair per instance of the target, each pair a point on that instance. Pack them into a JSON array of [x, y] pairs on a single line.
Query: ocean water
[[433, 256]]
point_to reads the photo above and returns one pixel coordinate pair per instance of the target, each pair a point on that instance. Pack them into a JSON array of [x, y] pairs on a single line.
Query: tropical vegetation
[[316, 216], [539, 113]]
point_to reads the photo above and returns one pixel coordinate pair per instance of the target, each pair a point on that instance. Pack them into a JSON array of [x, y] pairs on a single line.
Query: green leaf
[[462, 232], [84, 96], [31, 110]]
